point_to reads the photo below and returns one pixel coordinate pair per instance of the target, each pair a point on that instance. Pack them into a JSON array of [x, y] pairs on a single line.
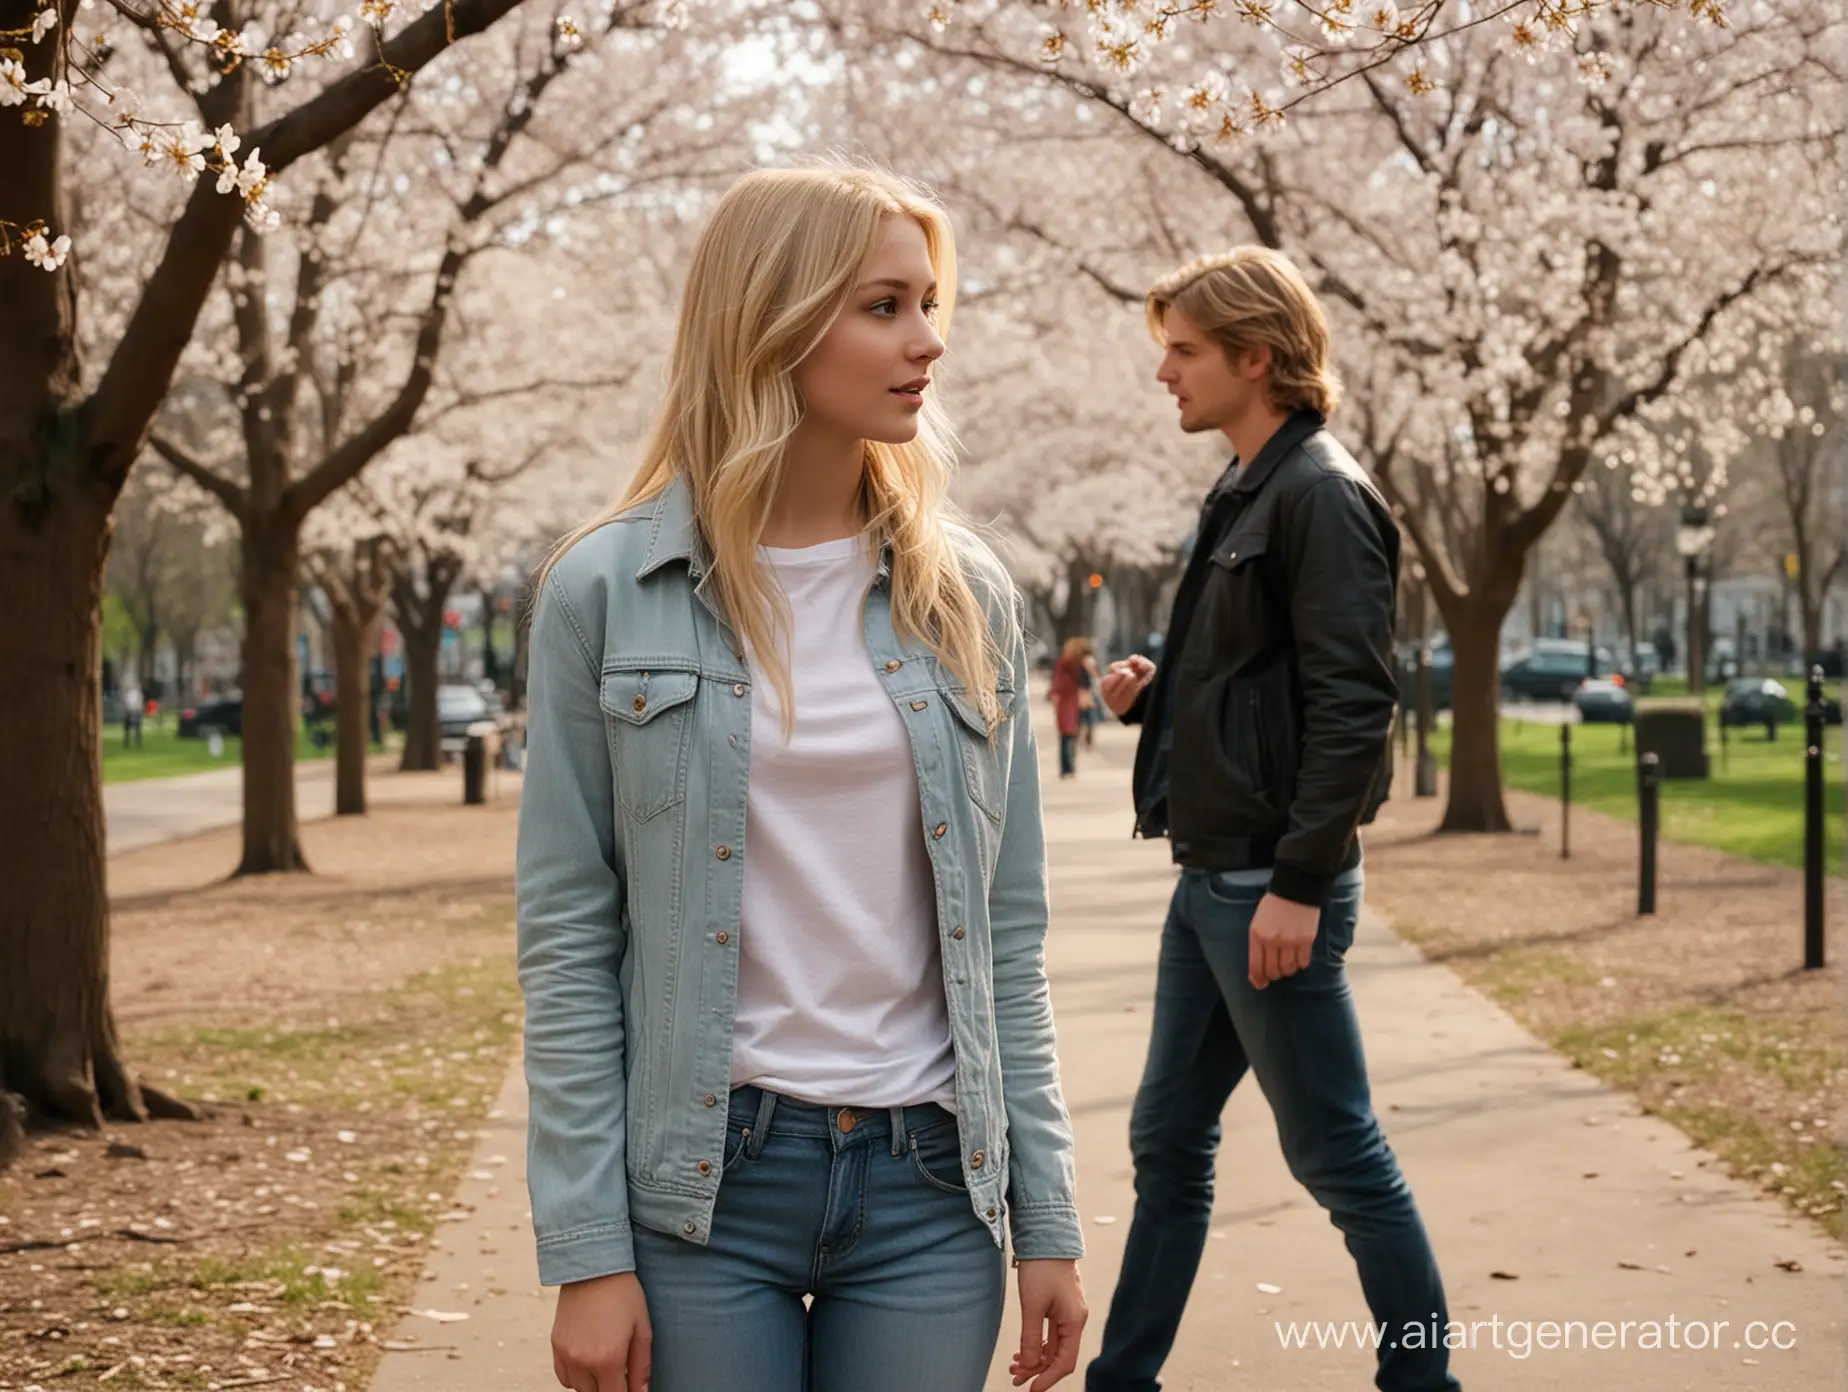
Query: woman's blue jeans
[[862, 1211]]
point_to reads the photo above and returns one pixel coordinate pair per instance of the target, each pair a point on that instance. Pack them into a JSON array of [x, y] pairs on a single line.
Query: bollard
[[1812, 825], [1565, 792], [475, 771], [1648, 792]]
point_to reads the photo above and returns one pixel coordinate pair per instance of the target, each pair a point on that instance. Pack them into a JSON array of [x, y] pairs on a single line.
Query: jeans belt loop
[[899, 1133], [760, 1130]]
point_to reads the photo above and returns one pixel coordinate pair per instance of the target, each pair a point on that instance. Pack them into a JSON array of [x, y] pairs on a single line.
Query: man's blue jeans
[[863, 1211], [1300, 1036]]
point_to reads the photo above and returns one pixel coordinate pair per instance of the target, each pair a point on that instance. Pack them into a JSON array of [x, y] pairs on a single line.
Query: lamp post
[[1692, 538]]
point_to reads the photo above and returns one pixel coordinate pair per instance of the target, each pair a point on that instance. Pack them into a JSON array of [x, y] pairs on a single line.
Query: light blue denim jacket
[[630, 882]]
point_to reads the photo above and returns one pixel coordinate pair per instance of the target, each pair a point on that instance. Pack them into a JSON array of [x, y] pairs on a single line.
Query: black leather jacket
[[1267, 732]]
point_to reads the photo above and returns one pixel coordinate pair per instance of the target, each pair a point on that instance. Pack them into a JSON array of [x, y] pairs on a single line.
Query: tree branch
[[115, 419], [210, 480]]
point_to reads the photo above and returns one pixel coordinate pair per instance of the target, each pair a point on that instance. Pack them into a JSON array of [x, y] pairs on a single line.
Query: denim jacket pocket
[[981, 755], [649, 714]]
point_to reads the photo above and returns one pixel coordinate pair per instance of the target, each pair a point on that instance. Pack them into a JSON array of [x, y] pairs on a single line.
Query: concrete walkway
[[1550, 1198], [147, 811]]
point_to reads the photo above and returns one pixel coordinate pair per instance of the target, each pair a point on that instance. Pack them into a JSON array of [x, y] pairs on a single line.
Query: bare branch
[[220, 487]]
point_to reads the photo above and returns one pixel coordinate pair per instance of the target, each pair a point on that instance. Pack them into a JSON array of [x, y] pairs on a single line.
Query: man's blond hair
[[1252, 296]]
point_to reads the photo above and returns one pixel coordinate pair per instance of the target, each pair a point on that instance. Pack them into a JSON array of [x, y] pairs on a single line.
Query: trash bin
[[1677, 735], [481, 737]]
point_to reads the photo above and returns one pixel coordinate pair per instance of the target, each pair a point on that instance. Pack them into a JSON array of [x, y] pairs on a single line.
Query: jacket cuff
[[1045, 1233], [606, 1250], [1299, 884]]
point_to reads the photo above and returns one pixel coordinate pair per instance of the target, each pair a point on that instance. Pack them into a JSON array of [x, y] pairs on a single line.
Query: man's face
[[1211, 389]]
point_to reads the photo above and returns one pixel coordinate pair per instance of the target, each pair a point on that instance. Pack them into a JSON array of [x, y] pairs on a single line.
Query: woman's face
[[867, 377]]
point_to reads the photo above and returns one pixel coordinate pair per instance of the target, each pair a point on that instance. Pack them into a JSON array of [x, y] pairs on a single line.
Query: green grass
[[163, 754], [287, 1268], [1752, 806], [474, 1004], [1751, 1062]]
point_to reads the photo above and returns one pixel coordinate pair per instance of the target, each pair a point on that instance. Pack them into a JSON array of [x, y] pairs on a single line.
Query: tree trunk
[[423, 732], [1626, 595], [59, 1055], [271, 698], [1475, 802], [352, 711], [490, 660], [1812, 624]]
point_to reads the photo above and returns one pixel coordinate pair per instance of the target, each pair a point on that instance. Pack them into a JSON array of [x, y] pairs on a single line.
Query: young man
[[1265, 745]]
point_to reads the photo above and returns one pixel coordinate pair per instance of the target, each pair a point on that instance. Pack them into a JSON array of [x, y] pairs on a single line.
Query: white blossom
[[51, 255], [227, 141], [44, 22], [570, 37], [12, 83]]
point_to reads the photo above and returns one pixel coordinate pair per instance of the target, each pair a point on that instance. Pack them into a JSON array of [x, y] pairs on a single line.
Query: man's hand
[[1052, 1316], [601, 1338], [1282, 938], [1124, 682]]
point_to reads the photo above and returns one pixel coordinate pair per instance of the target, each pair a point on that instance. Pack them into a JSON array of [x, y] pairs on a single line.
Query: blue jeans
[[1300, 1036], [1068, 755], [865, 1212]]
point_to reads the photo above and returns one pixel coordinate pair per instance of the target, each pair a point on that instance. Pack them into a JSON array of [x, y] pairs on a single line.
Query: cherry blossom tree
[[1523, 244], [76, 405], [438, 176]]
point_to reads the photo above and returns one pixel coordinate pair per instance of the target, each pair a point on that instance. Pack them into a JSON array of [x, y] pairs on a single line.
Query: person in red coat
[[1070, 693]]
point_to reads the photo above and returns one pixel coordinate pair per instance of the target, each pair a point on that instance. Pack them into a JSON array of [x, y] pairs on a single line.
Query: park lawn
[[1752, 806], [163, 754]]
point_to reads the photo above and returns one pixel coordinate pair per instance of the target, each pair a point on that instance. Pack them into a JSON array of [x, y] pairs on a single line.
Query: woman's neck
[[822, 496]]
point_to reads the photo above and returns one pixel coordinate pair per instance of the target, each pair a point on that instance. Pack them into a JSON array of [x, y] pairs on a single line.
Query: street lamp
[[1692, 538]]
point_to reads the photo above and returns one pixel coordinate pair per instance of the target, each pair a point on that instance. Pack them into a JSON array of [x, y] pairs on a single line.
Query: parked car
[[1443, 667], [1757, 701], [1766, 701], [224, 714], [458, 707], [1604, 703], [1550, 670]]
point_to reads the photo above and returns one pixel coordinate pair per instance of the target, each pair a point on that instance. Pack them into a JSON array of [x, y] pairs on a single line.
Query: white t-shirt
[[840, 978]]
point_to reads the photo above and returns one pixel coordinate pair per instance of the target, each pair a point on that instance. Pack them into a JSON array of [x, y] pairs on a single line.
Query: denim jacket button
[[975, 1161], [894, 665], [722, 938], [640, 703], [690, 1229], [723, 853], [738, 690], [991, 1213], [941, 829], [705, 1167], [958, 933], [919, 705], [710, 1100]]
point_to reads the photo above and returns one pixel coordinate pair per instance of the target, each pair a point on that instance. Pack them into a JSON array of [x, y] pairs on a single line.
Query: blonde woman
[[782, 894]]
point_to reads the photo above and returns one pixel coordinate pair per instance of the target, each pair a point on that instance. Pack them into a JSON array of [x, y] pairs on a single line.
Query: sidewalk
[[144, 812], [1549, 1197]]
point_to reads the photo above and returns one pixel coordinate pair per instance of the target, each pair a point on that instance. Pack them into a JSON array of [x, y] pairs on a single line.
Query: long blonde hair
[[774, 268]]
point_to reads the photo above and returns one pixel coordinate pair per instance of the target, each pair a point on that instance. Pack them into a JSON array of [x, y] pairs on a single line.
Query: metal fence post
[[1812, 825], [1565, 792], [1649, 787]]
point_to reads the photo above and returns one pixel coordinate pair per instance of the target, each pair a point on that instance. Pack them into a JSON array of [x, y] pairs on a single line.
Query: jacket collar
[[675, 536], [1299, 427]]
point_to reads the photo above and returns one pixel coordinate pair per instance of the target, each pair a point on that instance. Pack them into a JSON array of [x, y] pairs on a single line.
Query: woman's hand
[[1052, 1316], [601, 1338]]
